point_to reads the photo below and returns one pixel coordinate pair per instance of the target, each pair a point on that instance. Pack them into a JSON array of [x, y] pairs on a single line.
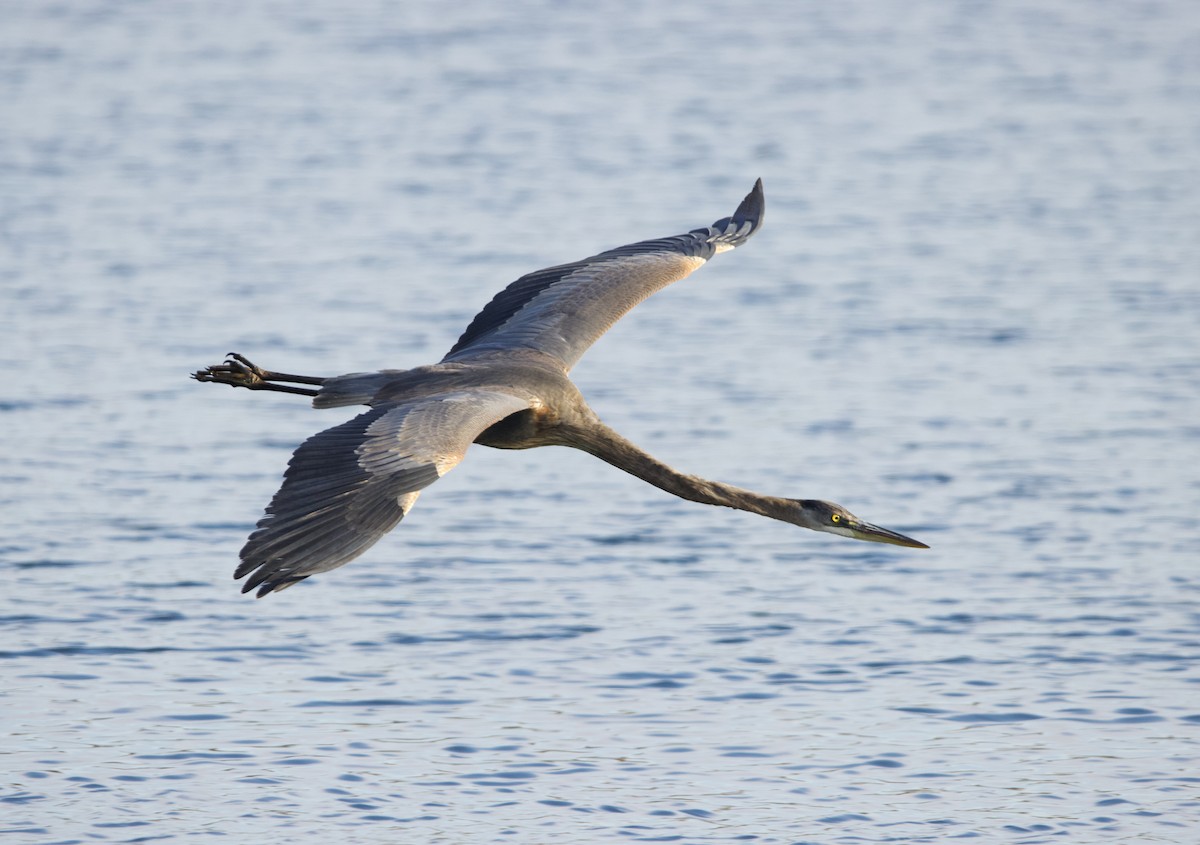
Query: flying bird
[[504, 384]]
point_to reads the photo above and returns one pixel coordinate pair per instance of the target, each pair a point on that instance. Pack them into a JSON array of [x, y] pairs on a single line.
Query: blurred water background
[[973, 316]]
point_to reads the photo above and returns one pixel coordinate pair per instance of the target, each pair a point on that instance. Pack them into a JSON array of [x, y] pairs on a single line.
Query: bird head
[[835, 519]]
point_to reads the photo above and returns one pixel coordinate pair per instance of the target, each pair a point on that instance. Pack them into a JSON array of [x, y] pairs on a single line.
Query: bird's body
[[504, 384]]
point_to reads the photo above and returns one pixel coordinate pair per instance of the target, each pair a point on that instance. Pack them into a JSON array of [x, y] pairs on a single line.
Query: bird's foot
[[236, 371], [239, 371]]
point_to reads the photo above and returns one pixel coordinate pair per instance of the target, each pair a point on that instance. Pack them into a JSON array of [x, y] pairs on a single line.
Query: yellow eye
[[837, 517]]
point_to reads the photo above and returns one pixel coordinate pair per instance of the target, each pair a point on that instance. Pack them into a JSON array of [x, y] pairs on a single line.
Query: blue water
[[972, 316]]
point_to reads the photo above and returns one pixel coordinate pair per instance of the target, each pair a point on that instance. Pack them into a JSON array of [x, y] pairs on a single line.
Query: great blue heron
[[503, 384]]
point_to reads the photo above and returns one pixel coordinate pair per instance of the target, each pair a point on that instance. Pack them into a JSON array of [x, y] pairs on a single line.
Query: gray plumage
[[504, 384]]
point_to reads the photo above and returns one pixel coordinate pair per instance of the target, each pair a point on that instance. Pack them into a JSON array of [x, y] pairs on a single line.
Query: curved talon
[[243, 361]]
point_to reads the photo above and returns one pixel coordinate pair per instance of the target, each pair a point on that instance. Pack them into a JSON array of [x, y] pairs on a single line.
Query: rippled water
[[972, 316]]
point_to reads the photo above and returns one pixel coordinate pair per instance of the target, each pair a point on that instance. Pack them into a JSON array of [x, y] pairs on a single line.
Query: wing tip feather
[[736, 229], [753, 207]]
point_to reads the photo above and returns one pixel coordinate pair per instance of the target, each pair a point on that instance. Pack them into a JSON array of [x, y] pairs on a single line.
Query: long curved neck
[[600, 440]]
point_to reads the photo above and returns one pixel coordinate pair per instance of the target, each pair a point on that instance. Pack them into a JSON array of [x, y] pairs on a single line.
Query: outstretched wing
[[349, 485], [561, 311]]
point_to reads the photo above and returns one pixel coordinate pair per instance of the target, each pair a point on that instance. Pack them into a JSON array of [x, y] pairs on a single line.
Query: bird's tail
[[351, 389]]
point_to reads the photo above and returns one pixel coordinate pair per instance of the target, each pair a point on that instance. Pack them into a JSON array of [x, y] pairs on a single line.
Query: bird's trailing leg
[[238, 371]]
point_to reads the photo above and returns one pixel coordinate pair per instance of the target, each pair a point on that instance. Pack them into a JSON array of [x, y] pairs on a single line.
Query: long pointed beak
[[875, 534]]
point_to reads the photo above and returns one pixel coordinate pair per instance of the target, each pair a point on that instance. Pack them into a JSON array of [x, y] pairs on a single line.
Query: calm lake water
[[973, 315]]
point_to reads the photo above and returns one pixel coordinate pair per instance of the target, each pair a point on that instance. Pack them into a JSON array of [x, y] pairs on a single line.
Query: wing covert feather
[[563, 310]]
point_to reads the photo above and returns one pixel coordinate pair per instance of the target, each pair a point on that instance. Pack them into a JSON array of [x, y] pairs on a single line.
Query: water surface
[[971, 316]]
